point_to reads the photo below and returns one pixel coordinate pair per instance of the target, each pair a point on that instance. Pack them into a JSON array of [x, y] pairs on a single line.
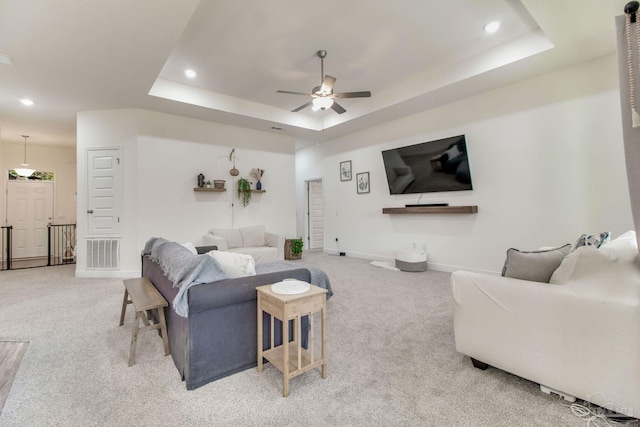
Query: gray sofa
[[218, 338]]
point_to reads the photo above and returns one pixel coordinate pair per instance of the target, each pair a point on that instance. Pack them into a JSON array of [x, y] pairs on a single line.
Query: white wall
[[163, 154], [547, 164], [59, 160]]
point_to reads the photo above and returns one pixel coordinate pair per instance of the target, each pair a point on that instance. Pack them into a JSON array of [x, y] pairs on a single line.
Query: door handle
[[90, 211]]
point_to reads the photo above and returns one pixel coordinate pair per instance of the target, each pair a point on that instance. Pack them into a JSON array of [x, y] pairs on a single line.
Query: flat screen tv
[[440, 165]]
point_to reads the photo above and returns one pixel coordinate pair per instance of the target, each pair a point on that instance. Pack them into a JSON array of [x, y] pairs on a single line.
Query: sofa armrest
[[546, 333], [236, 291], [275, 241], [211, 240]]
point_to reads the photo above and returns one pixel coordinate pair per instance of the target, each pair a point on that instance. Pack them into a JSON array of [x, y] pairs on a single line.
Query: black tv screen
[[440, 165]]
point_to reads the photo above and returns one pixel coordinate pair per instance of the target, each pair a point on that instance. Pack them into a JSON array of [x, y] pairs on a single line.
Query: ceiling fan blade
[[327, 84], [364, 94], [302, 107], [292, 93], [338, 108]]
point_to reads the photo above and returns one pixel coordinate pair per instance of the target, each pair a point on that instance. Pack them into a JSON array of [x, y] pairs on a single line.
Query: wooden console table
[[145, 298], [432, 210], [286, 308]]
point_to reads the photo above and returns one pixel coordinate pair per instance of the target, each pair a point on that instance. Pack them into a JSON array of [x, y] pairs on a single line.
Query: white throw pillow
[[235, 264], [231, 235], [615, 261], [253, 236], [191, 247]]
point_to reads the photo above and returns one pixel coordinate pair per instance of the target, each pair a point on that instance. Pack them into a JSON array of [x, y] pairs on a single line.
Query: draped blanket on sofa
[[185, 269]]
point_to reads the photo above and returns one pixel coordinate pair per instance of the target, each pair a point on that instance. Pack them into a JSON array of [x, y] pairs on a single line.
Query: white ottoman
[[411, 259]]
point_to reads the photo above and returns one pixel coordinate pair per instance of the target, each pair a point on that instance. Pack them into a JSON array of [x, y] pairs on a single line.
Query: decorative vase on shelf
[[258, 185]]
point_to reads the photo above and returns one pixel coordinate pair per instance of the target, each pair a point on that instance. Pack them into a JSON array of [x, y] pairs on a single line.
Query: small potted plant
[[208, 184], [293, 248], [244, 191]]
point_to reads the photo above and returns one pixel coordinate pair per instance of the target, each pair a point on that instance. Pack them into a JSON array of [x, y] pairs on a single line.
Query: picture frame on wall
[[345, 170], [362, 182]]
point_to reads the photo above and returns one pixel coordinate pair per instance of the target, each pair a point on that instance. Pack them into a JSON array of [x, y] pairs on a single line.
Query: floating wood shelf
[[212, 189], [258, 191], [432, 210]]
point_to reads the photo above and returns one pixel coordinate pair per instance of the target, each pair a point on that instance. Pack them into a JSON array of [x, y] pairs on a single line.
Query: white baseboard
[[430, 266], [100, 274]]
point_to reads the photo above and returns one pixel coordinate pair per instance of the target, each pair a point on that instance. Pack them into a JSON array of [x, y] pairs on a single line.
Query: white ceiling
[[74, 55]]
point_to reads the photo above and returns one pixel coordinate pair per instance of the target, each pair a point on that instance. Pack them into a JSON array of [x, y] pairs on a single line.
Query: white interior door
[[29, 211], [104, 177], [316, 214]]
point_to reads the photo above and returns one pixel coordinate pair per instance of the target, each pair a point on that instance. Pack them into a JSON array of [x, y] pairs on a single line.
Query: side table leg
[[260, 334], [324, 339], [134, 340], [163, 330], [285, 362], [125, 301]]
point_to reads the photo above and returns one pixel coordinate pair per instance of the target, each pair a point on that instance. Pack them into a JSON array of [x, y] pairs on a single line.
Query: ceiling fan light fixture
[[321, 103]]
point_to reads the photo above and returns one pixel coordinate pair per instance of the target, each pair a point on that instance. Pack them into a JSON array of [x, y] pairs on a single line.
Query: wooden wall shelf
[[212, 190], [220, 190], [432, 210]]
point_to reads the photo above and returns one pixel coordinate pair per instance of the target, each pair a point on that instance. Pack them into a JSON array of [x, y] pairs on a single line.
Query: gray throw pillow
[[536, 266]]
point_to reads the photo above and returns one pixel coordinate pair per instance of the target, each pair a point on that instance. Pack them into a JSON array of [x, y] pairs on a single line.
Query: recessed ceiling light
[[492, 27], [26, 101], [190, 73]]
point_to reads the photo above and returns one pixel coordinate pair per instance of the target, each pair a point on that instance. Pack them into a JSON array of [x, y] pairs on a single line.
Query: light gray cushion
[[253, 236], [536, 266], [231, 235]]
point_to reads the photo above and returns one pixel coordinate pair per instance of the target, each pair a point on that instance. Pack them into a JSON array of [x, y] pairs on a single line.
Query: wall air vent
[[103, 254]]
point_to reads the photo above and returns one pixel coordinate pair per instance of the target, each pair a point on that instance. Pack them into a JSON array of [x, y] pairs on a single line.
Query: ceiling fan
[[323, 96]]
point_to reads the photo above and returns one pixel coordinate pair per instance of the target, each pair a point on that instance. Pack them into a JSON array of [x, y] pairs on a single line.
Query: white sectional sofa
[[578, 335], [255, 241]]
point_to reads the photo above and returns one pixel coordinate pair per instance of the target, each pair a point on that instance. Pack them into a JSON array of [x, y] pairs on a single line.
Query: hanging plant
[[244, 191]]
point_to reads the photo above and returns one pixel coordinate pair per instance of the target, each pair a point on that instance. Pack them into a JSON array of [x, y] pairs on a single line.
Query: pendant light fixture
[[24, 169]]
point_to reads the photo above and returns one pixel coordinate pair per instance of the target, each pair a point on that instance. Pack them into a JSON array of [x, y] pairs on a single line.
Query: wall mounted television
[[427, 167]]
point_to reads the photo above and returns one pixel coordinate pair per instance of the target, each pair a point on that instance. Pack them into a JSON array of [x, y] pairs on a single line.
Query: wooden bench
[[145, 298]]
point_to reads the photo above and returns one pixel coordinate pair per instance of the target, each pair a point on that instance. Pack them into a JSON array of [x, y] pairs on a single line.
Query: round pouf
[[411, 260]]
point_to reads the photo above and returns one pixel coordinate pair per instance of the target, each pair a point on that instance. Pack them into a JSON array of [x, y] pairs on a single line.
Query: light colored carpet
[[392, 361]]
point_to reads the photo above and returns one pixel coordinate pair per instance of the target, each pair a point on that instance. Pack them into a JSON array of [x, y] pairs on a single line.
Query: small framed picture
[[345, 170], [362, 182]]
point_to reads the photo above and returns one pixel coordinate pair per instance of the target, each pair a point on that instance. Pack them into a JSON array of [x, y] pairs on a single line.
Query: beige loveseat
[[578, 335], [255, 241]]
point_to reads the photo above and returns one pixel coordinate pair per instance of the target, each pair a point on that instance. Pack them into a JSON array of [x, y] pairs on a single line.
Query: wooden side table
[[286, 308]]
